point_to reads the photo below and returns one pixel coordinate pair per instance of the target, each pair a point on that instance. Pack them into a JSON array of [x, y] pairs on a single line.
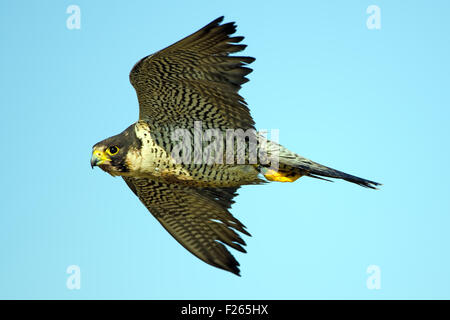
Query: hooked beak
[[98, 158]]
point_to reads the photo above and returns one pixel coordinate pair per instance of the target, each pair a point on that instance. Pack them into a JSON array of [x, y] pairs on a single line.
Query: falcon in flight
[[197, 80]]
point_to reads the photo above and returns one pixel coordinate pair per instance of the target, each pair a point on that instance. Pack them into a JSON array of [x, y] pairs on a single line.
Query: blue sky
[[374, 103]]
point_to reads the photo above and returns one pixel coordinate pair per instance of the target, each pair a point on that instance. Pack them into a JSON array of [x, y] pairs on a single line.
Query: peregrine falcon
[[193, 85]]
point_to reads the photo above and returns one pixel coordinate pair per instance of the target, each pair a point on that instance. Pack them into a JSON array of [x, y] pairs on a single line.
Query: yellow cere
[[100, 155]]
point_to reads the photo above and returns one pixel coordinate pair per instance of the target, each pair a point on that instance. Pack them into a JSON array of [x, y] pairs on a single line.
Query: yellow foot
[[281, 176]]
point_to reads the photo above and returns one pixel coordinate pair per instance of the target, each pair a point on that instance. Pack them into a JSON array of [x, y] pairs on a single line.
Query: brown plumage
[[197, 218], [196, 79]]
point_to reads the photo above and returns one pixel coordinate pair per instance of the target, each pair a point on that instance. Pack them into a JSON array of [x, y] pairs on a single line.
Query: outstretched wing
[[197, 218], [195, 79]]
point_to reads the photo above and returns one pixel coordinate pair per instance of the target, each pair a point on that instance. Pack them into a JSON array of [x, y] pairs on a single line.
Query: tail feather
[[317, 177], [317, 170], [306, 167]]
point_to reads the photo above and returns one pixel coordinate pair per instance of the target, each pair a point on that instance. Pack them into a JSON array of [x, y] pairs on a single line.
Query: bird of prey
[[197, 80]]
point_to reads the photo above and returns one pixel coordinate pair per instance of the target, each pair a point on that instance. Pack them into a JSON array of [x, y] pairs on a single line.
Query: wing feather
[[195, 79], [196, 217]]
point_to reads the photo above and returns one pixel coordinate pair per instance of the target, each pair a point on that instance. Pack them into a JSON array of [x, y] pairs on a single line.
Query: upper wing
[[195, 79], [197, 218]]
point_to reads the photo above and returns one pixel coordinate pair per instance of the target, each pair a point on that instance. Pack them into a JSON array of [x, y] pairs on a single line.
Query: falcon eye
[[113, 150]]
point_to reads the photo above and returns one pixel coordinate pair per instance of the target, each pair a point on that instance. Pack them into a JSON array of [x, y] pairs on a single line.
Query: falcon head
[[111, 154]]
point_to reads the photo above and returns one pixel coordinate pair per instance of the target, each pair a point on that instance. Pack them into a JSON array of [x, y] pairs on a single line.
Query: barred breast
[[155, 160]]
